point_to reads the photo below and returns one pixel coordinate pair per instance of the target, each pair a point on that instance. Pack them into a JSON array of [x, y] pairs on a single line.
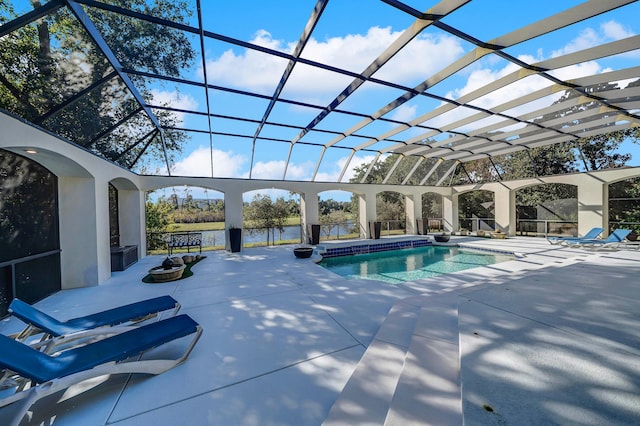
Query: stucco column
[[131, 217], [309, 209], [505, 210], [84, 231], [593, 204], [450, 212], [413, 211], [367, 208], [232, 214]]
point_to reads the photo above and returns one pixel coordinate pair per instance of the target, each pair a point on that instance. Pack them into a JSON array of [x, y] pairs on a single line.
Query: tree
[[157, 218], [43, 69], [334, 219], [262, 213]]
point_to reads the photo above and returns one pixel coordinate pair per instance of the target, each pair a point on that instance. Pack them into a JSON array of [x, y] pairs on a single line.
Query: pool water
[[396, 266]]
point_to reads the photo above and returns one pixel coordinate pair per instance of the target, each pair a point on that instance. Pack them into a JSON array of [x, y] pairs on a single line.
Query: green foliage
[[157, 220], [263, 213], [333, 220], [45, 65], [624, 202]]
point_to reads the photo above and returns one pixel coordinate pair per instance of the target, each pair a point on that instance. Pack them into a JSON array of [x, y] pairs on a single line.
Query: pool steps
[[411, 370]]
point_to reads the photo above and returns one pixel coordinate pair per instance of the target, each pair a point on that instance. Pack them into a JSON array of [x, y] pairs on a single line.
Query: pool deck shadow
[[287, 342], [550, 339]]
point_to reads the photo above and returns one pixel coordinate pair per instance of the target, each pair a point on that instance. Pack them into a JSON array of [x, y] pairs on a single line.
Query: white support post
[[309, 209], [593, 205], [84, 231], [450, 212], [505, 210], [367, 207], [131, 217], [413, 211], [232, 214]]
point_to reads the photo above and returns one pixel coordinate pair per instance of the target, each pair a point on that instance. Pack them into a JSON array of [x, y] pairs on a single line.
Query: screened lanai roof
[[311, 90]]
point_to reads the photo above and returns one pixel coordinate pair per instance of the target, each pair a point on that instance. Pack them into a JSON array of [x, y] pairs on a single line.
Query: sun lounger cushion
[[591, 235], [615, 237], [115, 316], [42, 367]]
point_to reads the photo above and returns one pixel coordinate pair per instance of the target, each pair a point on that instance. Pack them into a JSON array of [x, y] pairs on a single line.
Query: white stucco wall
[[84, 208]]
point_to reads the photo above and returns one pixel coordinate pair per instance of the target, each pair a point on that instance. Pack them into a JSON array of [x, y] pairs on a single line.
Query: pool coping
[[353, 247]]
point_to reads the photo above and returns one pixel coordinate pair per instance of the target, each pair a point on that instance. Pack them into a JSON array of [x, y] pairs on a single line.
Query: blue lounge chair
[[23, 365], [38, 322], [591, 235], [612, 242]]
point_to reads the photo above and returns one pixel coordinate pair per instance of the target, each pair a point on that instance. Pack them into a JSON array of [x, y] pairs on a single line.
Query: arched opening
[[337, 214], [29, 234], [547, 209], [188, 210], [270, 217], [432, 214], [391, 213], [624, 206], [476, 211]]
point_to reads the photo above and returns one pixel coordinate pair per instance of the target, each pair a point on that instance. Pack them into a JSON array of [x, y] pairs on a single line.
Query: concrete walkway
[[551, 337]]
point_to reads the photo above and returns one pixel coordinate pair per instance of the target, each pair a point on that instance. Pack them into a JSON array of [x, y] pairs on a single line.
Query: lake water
[[217, 238]]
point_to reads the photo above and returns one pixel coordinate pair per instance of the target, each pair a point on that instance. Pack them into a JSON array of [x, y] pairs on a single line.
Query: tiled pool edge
[[371, 247]]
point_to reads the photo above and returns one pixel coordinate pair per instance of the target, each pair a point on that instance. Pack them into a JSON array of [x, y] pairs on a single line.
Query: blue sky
[[350, 35]]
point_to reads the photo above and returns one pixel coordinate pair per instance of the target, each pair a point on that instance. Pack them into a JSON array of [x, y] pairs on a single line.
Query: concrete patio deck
[[552, 337]]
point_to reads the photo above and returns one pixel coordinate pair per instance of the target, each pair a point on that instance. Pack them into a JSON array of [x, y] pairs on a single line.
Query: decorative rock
[[167, 263], [177, 260]]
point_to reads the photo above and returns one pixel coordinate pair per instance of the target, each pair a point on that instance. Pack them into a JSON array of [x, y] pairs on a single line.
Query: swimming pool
[[398, 266]]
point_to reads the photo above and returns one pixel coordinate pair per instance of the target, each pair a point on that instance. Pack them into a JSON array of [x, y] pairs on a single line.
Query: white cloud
[[333, 174], [404, 113], [176, 100], [615, 31], [198, 163], [259, 72], [589, 37]]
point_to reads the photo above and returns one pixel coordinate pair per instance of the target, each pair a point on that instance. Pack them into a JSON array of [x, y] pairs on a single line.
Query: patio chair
[[591, 235], [612, 242], [34, 374], [55, 332]]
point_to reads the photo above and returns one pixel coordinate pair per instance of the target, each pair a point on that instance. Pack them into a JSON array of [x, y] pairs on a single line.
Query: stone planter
[[303, 252], [162, 275], [499, 235], [441, 238]]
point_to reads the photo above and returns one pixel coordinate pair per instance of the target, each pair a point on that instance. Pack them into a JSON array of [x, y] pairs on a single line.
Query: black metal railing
[[546, 227]]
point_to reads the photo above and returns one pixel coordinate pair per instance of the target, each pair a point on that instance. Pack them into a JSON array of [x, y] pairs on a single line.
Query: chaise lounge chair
[[612, 242], [34, 374], [55, 331], [591, 235]]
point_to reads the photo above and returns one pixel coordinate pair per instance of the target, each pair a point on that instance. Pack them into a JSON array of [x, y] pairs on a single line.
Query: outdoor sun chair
[[56, 332], [591, 235], [33, 374], [612, 242]]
